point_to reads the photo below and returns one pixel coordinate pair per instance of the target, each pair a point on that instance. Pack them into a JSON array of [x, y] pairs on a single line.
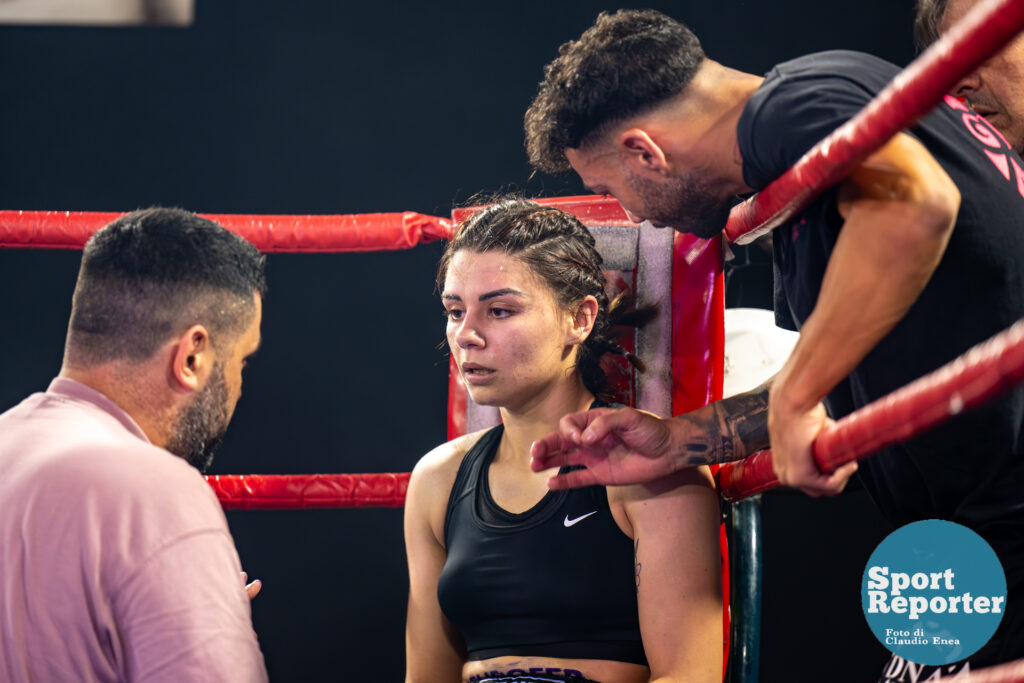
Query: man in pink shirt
[[116, 563]]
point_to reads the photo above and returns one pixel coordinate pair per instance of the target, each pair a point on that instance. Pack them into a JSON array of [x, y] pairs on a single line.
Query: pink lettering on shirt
[[997, 149]]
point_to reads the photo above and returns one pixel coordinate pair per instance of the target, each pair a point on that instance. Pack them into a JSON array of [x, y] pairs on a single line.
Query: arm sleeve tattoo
[[730, 429]]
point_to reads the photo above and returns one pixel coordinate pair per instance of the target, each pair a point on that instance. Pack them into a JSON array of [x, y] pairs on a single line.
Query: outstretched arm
[[899, 209], [628, 446]]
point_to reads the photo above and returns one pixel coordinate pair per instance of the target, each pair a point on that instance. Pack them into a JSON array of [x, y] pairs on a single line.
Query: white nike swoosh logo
[[569, 522]]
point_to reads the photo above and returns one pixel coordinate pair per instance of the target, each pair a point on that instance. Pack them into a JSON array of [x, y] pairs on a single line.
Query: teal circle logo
[[933, 592]]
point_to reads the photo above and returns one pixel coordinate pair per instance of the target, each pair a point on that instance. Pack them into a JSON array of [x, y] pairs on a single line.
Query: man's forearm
[[726, 430], [899, 209]]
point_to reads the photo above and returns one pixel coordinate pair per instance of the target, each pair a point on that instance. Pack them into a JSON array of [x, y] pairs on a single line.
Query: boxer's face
[[202, 423], [996, 88], [511, 340], [684, 202]]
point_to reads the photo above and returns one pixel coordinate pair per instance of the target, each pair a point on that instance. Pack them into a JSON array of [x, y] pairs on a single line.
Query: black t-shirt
[[972, 469]]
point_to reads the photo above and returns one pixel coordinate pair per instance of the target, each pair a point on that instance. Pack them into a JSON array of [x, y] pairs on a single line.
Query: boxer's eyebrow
[[489, 295], [500, 292]]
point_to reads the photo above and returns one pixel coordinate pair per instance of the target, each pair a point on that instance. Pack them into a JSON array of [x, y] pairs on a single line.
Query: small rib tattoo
[[636, 563]]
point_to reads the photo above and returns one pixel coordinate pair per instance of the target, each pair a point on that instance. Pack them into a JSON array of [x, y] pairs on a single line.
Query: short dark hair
[[928, 20], [558, 249], [150, 275], [627, 62]]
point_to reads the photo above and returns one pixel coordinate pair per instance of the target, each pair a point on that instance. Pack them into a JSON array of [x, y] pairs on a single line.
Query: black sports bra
[[555, 581]]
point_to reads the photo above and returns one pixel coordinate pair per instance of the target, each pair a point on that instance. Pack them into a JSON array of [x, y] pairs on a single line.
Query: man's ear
[[584, 315], [193, 359], [641, 153]]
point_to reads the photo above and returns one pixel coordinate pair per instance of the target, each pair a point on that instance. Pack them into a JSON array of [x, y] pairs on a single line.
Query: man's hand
[[627, 446], [792, 434], [616, 447], [251, 589]]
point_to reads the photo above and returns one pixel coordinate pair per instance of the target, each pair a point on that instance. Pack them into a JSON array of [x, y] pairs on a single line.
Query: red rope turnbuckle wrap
[[294, 234], [979, 375], [981, 34], [290, 491]]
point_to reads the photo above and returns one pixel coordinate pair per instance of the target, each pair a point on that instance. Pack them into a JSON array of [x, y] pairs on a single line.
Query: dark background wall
[[326, 107]]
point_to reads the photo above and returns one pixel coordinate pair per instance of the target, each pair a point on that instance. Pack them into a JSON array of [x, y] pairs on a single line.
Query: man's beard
[[686, 204], [201, 424]]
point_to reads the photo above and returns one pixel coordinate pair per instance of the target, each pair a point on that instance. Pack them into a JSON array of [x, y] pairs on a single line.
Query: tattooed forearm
[[705, 441], [746, 422], [727, 430]]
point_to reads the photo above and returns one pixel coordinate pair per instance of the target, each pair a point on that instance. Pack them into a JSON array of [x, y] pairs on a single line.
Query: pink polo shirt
[[116, 563]]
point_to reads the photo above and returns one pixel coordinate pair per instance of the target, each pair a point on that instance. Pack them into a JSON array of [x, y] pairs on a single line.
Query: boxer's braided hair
[[561, 251]]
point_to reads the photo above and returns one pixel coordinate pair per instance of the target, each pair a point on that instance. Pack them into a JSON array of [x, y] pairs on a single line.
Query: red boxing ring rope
[[980, 374], [918, 88], [294, 234], [290, 491]]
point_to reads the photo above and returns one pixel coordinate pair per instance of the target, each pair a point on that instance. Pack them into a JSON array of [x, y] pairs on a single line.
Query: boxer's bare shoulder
[[433, 477]]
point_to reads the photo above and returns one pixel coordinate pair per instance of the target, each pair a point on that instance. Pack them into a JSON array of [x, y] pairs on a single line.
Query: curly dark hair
[[559, 250], [627, 62], [927, 20]]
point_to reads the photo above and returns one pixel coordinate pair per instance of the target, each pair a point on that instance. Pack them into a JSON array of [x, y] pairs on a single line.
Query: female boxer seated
[[510, 581]]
